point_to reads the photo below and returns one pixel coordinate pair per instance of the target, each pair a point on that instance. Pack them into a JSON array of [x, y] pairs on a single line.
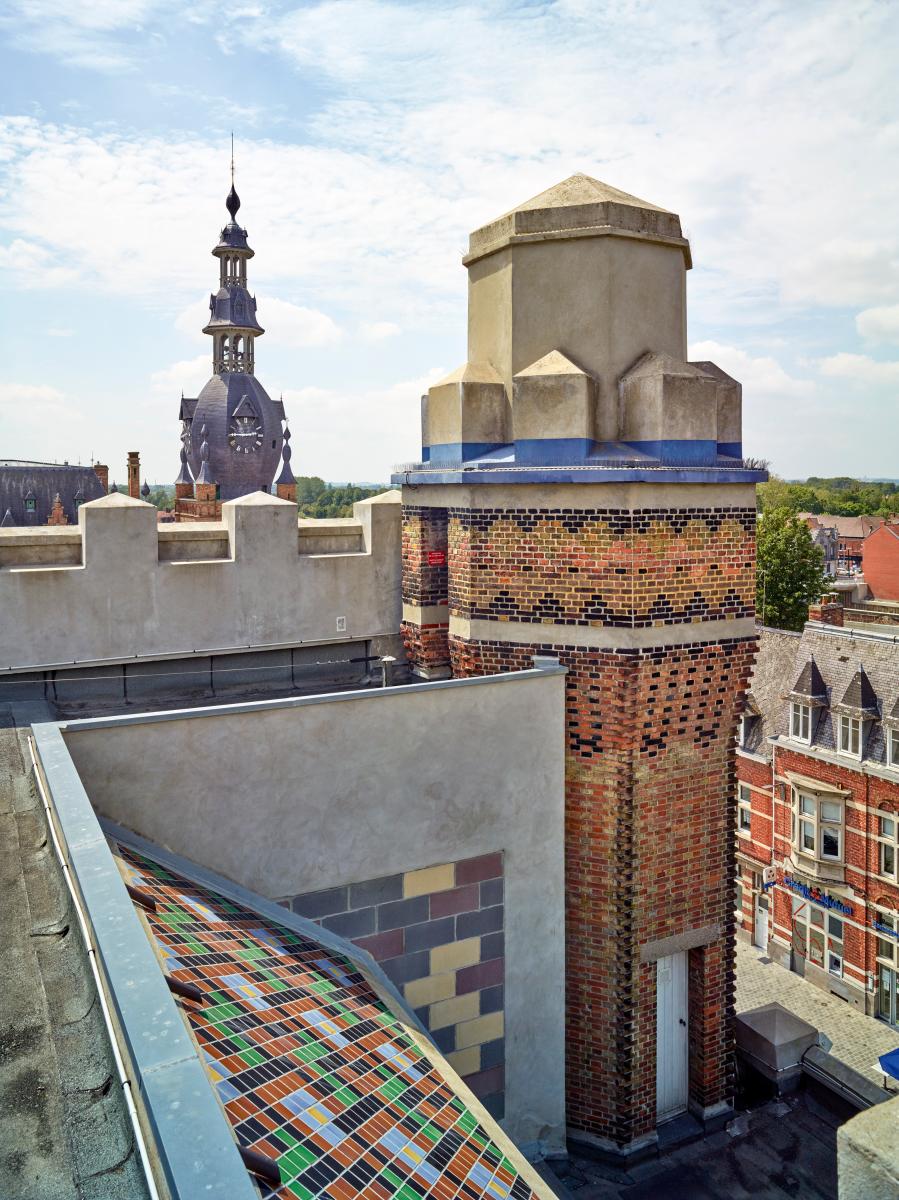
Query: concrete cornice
[[605, 637]]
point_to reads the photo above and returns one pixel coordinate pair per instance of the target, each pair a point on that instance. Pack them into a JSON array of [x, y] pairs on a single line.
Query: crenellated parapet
[[119, 586]]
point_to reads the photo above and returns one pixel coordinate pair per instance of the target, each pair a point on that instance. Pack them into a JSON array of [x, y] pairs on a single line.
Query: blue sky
[[371, 138]]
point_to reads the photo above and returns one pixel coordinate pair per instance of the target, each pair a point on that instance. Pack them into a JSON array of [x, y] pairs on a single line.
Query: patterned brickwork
[[650, 811], [313, 1069], [438, 935], [627, 568], [425, 566]]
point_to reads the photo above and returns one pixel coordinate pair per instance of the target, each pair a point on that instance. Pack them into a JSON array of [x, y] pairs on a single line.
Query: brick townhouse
[[818, 811], [849, 535]]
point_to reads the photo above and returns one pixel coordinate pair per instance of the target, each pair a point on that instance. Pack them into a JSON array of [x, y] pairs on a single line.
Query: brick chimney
[[134, 474], [102, 472], [57, 513], [828, 610]]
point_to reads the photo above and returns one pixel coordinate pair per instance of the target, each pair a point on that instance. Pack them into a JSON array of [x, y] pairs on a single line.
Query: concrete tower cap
[[579, 206]]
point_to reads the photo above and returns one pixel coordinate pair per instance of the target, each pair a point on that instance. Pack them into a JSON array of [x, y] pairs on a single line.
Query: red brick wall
[[880, 562], [650, 815]]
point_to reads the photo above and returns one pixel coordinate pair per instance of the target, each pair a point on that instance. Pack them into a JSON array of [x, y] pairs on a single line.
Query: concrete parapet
[[669, 409], [553, 399], [868, 1154], [120, 588]]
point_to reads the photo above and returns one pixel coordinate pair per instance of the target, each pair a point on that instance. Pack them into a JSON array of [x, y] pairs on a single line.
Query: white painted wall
[[293, 796], [120, 588]]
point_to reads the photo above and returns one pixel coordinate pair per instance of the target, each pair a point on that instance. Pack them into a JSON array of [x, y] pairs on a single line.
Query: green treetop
[[790, 575]]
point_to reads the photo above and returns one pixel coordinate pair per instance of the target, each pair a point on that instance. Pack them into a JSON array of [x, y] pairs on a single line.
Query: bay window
[[817, 826]]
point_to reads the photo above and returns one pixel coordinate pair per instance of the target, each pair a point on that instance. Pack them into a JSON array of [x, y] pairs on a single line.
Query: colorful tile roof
[[314, 1067]]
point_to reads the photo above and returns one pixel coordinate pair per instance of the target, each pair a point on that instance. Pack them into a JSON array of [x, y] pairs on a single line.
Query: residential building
[[880, 563], [850, 534], [817, 810], [40, 493]]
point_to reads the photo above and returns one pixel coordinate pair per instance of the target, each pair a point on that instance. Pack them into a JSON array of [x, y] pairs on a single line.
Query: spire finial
[[233, 202]]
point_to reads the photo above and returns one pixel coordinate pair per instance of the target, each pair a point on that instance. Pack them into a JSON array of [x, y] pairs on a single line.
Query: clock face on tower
[[245, 430]]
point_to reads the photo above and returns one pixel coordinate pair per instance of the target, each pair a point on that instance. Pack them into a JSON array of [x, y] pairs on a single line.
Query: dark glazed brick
[[463, 899], [407, 967], [492, 1000], [486, 1083], [473, 870], [376, 891], [320, 904], [423, 1014], [382, 945], [493, 945], [491, 892], [481, 975], [403, 912], [445, 1039], [430, 933], [495, 1105], [493, 1053], [486, 921], [352, 924]]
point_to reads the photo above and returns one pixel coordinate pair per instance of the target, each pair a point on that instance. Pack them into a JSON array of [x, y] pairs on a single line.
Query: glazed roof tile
[[316, 1066]]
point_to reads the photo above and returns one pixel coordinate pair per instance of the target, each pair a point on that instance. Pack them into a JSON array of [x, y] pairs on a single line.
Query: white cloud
[[60, 333], [879, 324], [761, 376], [357, 435], [83, 35], [34, 266], [292, 326], [378, 331], [861, 368], [187, 376]]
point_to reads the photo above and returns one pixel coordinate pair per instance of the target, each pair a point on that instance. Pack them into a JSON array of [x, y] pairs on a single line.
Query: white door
[[671, 1036], [760, 932]]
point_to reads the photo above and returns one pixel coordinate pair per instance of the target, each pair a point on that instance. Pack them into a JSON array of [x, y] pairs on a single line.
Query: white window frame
[[744, 810], [892, 747], [849, 730], [810, 822], [886, 836], [886, 948], [821, 925], [801, 722]]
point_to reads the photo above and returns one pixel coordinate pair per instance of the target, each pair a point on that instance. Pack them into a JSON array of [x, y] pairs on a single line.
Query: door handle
[[681, 1021]]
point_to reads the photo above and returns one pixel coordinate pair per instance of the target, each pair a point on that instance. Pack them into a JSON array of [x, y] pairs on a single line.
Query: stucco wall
[[287, 797], [126, 590]]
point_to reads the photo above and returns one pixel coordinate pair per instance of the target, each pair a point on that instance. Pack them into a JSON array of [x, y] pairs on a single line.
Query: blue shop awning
[[889, 1063]]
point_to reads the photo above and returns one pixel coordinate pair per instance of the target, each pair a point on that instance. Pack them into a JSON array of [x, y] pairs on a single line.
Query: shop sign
[[817, 896], [881, 928]]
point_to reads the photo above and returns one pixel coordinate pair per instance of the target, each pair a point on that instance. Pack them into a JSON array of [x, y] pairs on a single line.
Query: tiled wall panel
[[438, 934]]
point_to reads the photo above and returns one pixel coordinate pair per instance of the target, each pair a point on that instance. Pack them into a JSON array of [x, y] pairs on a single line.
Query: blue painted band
[[540, 452], [731, 449], [458, 452], [680, 452], [589, 474]]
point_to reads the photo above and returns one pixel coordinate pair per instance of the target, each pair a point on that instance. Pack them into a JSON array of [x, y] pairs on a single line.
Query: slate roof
[[315, 1062], [42, 481], [772, 678], [859, 670]]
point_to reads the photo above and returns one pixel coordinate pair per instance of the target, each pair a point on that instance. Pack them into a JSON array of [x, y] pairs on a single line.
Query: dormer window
[[801, 721], [849, 735], [893, 747], [30, 504]]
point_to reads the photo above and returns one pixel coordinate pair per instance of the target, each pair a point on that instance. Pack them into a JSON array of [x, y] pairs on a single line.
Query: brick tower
[[582, 495]]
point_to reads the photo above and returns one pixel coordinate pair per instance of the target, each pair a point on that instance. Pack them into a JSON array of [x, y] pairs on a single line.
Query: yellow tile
[[466, 1062], [431, 879], [455, 955], [484, 1029], [450, 1012], [431, 989]]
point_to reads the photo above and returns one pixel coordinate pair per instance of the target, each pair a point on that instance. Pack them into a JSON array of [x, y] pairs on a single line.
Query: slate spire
[[286, 475]]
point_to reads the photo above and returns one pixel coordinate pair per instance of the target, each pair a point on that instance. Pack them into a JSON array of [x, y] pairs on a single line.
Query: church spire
[[232, 310]]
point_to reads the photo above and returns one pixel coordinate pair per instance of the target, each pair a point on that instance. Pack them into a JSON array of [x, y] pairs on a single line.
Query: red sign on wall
[[436, 558]]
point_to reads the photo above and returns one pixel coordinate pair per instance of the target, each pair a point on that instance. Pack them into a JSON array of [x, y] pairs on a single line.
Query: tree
[[790, 573]]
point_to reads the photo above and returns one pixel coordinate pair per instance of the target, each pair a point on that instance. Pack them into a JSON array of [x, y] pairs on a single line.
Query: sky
[[371, 137]]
